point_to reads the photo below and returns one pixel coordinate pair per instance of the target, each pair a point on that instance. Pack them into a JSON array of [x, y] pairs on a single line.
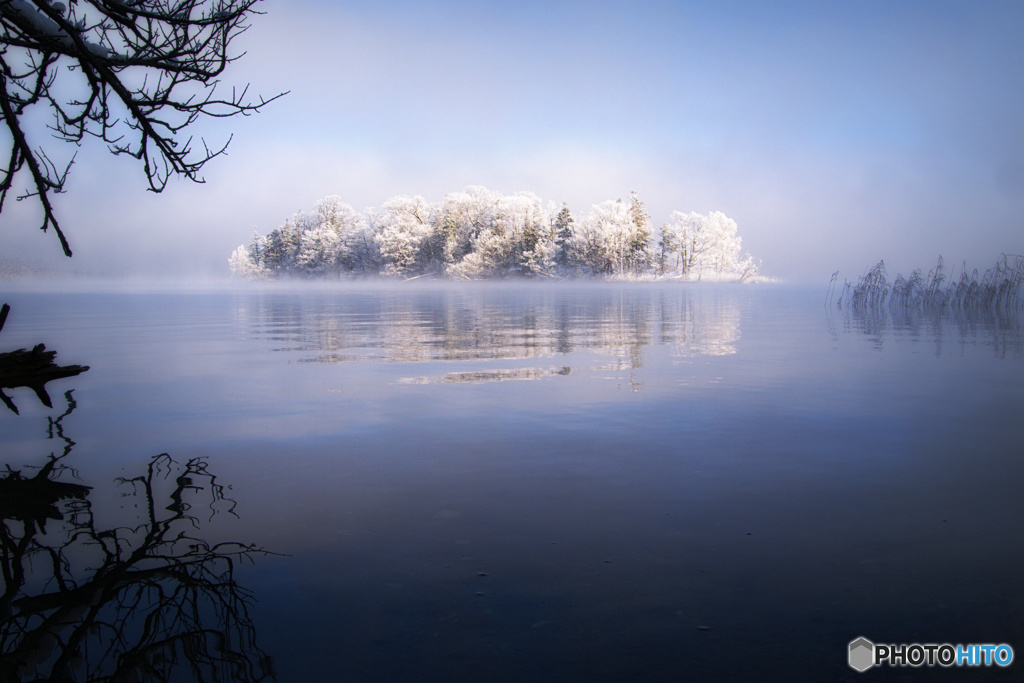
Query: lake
[[506, 482]]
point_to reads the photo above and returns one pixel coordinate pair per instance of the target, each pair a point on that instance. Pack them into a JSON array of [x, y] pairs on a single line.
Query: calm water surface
[[507, 483]]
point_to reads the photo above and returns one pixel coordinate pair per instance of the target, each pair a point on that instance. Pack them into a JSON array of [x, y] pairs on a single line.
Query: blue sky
[[834, 133]]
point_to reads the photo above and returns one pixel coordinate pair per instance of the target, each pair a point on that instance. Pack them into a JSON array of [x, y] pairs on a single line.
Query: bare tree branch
[[147, 71]]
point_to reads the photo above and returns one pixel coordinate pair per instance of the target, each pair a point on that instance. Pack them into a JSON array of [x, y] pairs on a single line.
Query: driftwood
[[32, 369]]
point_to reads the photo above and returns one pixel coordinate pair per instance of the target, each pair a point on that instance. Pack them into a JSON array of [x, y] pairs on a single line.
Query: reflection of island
[[412, 326], [148, 600], [501, 375], [32, 369]]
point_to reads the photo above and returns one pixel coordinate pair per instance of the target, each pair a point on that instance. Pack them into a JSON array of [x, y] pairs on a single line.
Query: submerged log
[[32, 369]]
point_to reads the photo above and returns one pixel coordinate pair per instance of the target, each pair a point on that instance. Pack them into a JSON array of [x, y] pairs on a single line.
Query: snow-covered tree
[[693, 239], [490, 251], [244, 265], [318, 251], [356, 250], [277, 250], [331, 212], [460, 218], [640, 236], [608, 234], [564, 229], [401, 232], [707, 245], [522, 220], [493, 235], [240, 262], [667, 246], [725, 243]]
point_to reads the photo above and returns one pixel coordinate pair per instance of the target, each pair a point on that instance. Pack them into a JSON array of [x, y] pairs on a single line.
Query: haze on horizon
[[833, 134]]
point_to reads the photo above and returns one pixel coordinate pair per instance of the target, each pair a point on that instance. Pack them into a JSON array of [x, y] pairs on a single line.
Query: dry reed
[[997, 289]]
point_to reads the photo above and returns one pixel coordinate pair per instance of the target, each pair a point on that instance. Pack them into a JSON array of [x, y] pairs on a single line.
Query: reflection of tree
[[32, 369], [149, 602], [700, 327], [410, 326]]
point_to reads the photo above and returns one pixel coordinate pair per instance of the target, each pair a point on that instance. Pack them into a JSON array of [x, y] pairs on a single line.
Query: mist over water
[[541, 482]]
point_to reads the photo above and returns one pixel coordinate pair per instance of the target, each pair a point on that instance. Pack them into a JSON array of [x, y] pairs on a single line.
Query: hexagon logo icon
[[862, 654]]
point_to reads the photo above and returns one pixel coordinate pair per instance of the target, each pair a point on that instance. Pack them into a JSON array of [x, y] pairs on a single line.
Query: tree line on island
[[479, 233]]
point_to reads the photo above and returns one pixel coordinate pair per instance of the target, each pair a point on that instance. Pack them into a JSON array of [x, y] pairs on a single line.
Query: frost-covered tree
[[707, 245], [134, 73], [615, 238], [331, 212], [257, 248], [724, 256], [692, 238], [246, 265], [362, 255], [241, 262], [318, 251], [640, 235], [489, 252], [401, 232], [522, 219], [277, 250], [496, 235], [564, 235], [667, 246], [608, 235], [459, 219], [354, 247]]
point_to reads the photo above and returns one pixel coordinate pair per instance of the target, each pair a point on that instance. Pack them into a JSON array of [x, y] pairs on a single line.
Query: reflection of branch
[[149, 602]]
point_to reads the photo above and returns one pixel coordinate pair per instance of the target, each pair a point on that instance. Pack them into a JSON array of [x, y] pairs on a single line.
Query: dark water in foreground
[[508, 483]]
